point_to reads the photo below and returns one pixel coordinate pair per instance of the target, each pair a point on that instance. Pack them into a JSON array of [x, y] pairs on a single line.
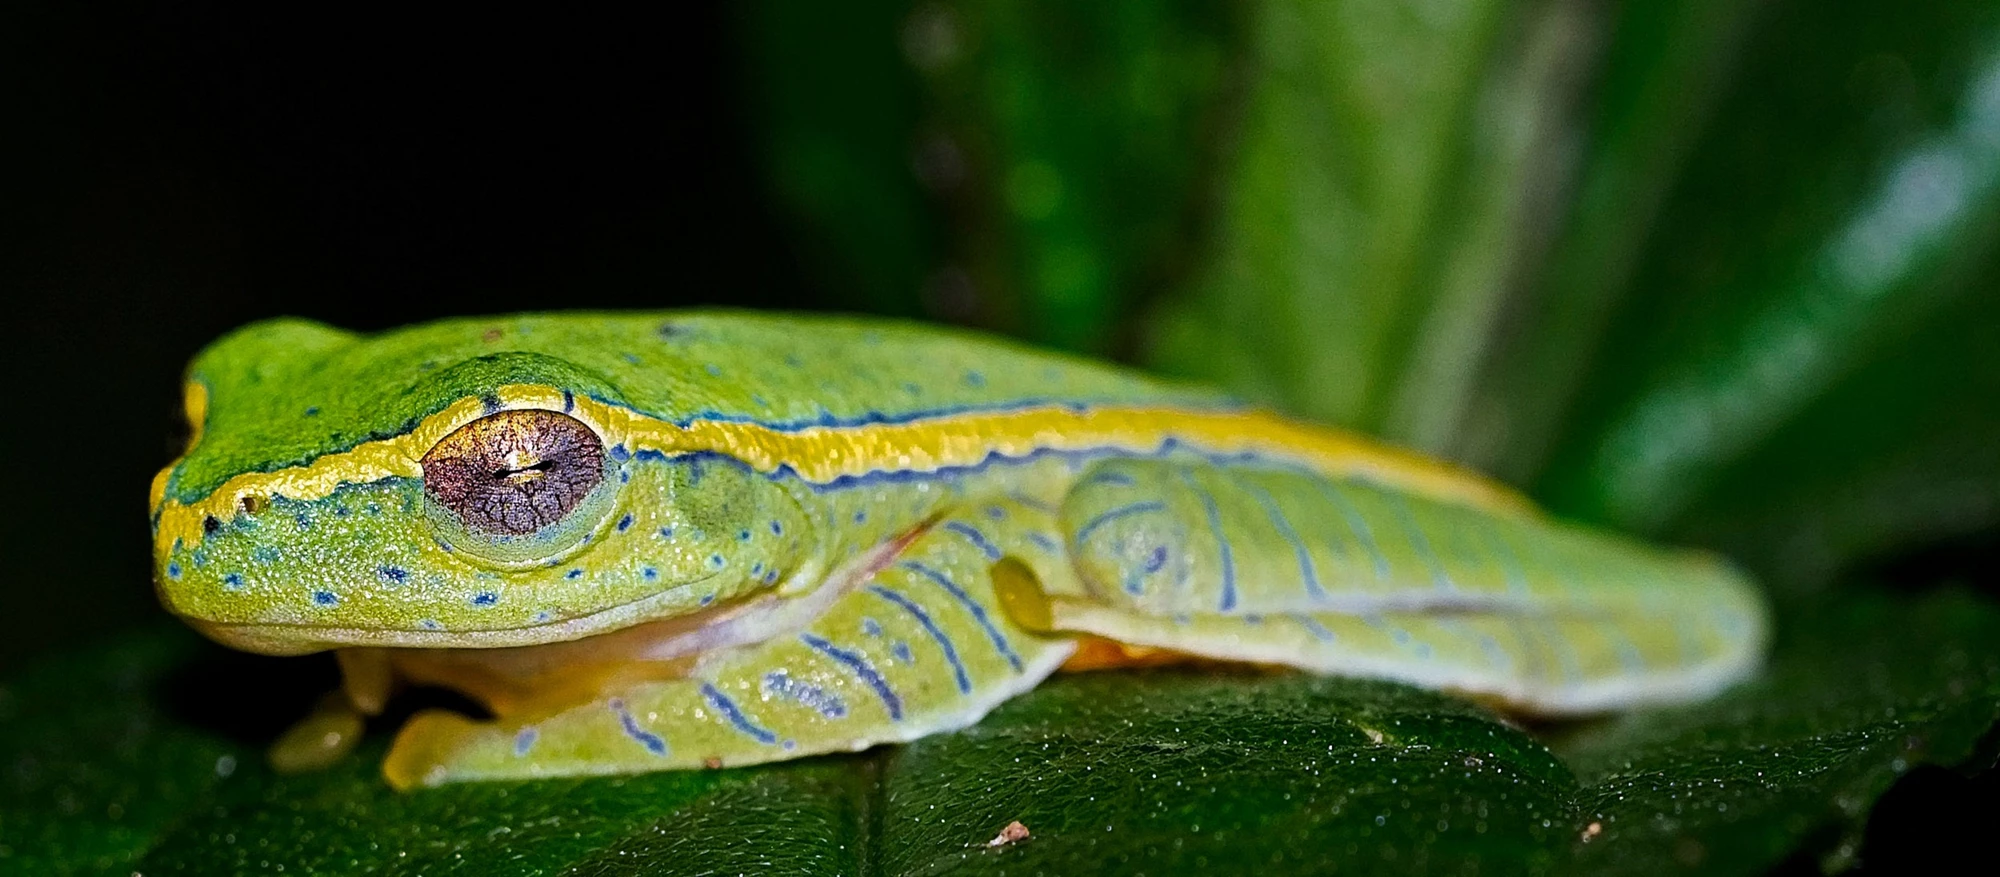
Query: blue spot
[[1156, 560], [542, 615], [429, 624], [392, 575], [1401, 636], [625, 523], [930, 627], [174, 570], [975, 379], [232, 581], [524, 740], [325, 598], [632, 358], [312, 410], [707, 599], [666, 532], [771, 576], [860, 517], [977, 538], [734, 714], [759, 401], [913, 389], [743, 535], [777, 529], [792, 359], [264, 554], [902, 652], [1044, 542], [866, 671], [972, 606], [996, 513], [340, 511], [485, 598], [624, 476], [619, 453], [871, 627], [1253, 618], [713, 369], [757, 568], [650, 573], [715, 560], [574, 574], [303, 522], [653, 742]]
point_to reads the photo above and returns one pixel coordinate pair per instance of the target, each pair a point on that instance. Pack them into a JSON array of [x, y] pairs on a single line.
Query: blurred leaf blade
[[1812, 229]]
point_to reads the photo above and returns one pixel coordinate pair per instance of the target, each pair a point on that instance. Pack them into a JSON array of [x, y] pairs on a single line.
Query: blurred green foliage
[[1719, 273]]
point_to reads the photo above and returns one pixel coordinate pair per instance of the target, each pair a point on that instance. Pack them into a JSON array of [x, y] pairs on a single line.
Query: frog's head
[[469, 483]]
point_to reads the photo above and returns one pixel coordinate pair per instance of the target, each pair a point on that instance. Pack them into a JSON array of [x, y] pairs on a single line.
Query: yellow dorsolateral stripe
[[826, 453]]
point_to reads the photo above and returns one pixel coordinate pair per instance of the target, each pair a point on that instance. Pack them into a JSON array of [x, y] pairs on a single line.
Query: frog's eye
[[515, 472]]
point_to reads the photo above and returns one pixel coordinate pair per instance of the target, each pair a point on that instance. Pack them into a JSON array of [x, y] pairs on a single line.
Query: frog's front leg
[[916, 644]]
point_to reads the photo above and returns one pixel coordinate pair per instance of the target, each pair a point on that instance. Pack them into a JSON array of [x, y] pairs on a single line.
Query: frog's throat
[[823, 454]]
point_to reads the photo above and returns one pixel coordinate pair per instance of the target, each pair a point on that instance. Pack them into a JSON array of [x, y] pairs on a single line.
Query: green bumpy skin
[[688, 539]]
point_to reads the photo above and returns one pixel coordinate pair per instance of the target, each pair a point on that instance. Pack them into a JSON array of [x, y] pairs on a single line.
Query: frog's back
[[786, 371]]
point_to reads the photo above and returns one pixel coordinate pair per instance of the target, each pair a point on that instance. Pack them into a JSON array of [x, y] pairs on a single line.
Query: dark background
[[178, 170]]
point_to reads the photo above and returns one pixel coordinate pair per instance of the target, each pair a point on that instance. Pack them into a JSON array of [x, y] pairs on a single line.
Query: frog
[[639, 541]]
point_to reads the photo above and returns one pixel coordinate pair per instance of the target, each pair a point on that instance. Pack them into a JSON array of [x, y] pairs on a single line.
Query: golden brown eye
[[515, 472]]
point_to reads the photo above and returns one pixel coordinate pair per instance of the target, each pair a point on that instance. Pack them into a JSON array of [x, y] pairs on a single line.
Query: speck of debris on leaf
[[1013, 833]]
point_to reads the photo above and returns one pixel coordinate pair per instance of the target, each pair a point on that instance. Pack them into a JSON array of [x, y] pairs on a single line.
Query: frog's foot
[[918, 646], [1229, 561], [323, 737]]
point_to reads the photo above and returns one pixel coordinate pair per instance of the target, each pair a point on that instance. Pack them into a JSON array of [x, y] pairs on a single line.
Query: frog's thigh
[[1274, 566], [921, 647]]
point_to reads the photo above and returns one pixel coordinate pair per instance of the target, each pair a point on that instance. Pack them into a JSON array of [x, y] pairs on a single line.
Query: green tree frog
[[648, 541]]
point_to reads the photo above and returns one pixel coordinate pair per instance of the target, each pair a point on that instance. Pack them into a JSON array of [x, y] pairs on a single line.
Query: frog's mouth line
[[300, 639]]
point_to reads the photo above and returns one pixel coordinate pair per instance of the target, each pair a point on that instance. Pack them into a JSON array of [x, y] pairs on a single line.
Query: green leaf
[[1157, 772]]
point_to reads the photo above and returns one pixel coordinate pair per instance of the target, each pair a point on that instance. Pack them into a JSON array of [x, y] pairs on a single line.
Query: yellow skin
[[668, 540]]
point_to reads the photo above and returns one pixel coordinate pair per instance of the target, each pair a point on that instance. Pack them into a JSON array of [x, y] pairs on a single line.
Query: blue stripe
[[977, 538], [1420, 543], [1278, 520], [1359, 525], [654, 743], [1104, 476], [861, 668], [1221, 541], [730, 711], [1090, 526], [930, 627], [1510, 564], [978, 612], [1313, 627]]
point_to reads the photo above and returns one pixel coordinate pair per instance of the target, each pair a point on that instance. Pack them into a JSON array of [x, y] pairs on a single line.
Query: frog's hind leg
[[919, 646], [1260, 563]]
